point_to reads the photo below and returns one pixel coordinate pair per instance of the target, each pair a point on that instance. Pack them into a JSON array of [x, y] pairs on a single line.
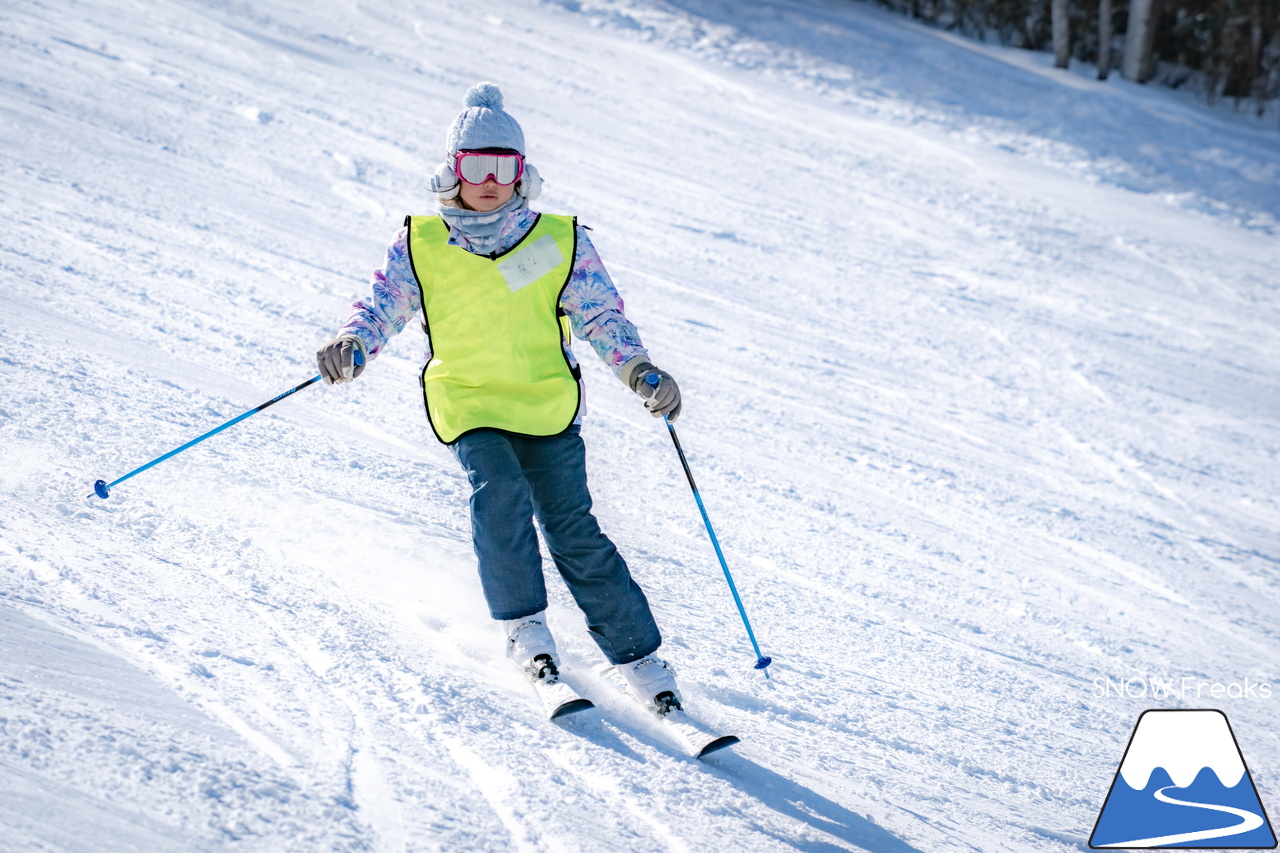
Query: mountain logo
[[1183, 783]]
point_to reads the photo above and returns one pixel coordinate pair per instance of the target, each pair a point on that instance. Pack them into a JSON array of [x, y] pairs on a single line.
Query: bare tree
[[1228, 48], [1061, 33], [1104, 38], [1137, 64]]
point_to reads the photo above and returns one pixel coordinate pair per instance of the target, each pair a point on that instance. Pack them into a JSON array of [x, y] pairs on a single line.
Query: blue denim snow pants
[[515, 479]]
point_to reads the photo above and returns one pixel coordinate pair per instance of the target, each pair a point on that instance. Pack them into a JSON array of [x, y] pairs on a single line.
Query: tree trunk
[[1061, 33], [1255, 57], [1137, 41], [1104, 38]]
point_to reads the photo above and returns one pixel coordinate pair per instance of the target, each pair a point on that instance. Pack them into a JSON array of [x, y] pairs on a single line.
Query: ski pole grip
[[359, 356]]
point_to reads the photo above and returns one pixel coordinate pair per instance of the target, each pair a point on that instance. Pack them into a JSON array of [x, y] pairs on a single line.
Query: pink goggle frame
[[476, 167]]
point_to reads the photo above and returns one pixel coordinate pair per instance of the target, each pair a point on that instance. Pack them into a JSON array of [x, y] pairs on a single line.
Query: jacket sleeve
[[595, 311], [393, 302]]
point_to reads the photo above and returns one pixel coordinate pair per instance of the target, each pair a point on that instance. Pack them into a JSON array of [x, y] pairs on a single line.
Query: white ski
[[693, 737], [559, 699]]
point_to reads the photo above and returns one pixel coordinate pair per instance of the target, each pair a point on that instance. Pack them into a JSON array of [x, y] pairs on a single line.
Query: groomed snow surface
[[979, 362]]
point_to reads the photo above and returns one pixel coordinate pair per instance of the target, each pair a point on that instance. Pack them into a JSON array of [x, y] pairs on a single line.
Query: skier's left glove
[[338, 362], [662, 400]]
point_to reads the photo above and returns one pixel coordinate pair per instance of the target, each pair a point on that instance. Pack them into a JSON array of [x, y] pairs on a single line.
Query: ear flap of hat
[[444, 183], [530, 184]]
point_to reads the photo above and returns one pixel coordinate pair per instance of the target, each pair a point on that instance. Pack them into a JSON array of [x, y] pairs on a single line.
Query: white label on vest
[[528, 265]]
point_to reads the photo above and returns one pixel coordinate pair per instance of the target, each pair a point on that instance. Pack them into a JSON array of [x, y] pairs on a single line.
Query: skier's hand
[[664, 399], [341, 360]]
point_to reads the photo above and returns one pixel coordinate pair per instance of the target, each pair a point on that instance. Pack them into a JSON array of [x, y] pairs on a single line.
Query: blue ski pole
[[762, 662], [101, 488]]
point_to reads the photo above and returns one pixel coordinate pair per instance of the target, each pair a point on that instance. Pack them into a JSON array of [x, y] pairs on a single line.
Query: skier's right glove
[[663, 400], [338, 362]]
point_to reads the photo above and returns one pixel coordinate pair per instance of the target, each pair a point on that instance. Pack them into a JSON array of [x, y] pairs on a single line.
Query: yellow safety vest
[[498, 336]]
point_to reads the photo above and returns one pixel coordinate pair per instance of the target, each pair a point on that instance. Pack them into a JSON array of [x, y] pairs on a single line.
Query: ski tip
[[573, 706], [719, 744], [100, 489]]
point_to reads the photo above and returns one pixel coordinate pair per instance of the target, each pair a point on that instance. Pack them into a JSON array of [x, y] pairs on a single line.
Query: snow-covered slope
[[979, 361]]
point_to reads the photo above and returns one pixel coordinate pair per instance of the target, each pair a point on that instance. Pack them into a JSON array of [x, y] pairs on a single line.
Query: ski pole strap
[[762, 661]]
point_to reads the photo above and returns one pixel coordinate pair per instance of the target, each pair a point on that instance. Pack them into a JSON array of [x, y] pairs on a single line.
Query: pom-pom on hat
[[483, 124]]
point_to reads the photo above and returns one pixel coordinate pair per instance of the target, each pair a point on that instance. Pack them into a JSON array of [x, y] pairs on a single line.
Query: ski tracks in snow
[[976, 426], [379, 724]]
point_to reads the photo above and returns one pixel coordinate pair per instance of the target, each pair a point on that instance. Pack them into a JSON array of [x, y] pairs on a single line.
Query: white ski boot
[[531, 647], [651, 681]]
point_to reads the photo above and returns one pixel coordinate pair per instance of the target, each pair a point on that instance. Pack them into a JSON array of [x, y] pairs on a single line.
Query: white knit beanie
[[483, 124]]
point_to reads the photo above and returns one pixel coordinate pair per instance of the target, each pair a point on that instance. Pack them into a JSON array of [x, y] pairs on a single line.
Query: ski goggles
[[476, 167]]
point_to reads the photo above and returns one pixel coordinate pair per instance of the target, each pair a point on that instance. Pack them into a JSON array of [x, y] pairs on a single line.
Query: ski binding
[[558, 699], [696, 739]]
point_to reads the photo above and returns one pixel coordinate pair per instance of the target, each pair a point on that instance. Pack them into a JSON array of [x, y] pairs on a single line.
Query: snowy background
[[980, 364]]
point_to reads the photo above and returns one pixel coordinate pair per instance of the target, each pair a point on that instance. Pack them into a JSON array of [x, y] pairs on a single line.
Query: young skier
[[500, 287]]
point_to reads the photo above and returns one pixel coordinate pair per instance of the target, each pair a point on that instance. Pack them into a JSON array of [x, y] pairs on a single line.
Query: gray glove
[[662, 400], [338, 359]]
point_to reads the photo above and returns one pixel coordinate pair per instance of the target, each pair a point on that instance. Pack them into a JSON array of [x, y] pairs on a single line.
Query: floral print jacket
[[590, 300]]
